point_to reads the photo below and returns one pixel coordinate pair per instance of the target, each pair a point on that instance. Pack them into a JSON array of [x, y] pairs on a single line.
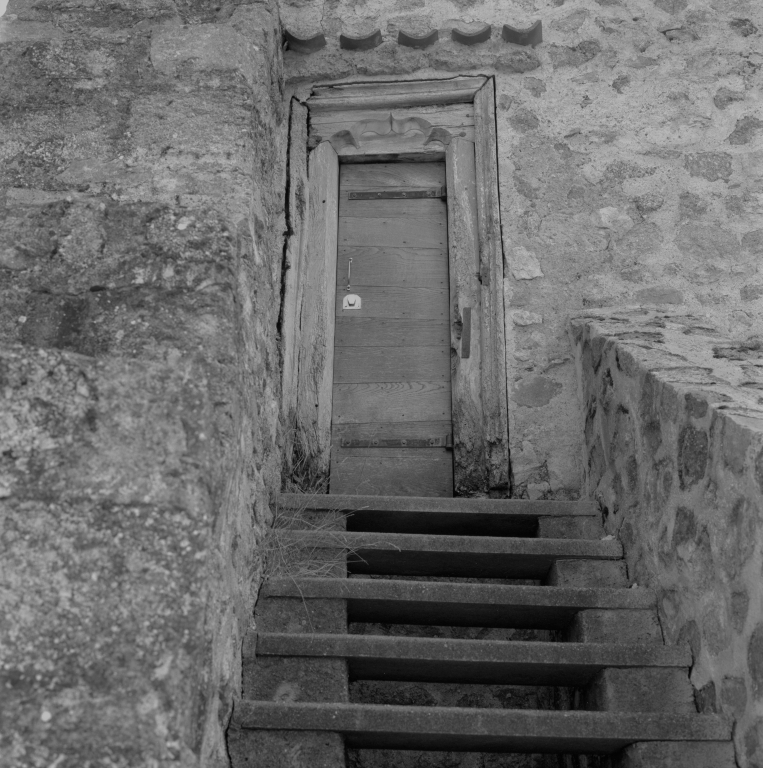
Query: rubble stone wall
[[141, 218], [630, 158], [674, 455]]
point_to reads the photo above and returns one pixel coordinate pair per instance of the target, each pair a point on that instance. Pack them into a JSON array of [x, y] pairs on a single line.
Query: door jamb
[[479, 379]]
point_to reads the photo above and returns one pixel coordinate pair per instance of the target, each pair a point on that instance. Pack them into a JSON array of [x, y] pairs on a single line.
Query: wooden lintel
[[414, 93]]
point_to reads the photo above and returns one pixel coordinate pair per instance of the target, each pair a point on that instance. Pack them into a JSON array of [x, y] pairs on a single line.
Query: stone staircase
[[463, 632]]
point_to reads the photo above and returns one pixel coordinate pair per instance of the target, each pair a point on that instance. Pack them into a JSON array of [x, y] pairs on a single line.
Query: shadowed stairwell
[[463, 632]]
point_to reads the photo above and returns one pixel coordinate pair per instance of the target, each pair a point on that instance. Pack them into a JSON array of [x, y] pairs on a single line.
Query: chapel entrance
[[391, 427]]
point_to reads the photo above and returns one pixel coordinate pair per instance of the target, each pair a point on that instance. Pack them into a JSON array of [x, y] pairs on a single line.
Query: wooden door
[[391, 413]]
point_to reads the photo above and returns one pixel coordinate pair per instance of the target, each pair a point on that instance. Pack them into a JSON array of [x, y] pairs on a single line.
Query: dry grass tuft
[[283, 555], [300, 472]]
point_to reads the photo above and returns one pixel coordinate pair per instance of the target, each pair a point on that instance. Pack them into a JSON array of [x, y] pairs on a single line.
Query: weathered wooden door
[[391, 411]]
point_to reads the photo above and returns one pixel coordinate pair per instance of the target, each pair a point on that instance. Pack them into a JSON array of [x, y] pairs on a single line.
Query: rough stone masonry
[[142, 180], [141, 220], [674, 456]]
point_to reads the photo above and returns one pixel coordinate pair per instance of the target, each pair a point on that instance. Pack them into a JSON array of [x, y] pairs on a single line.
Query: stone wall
[[674, 455], [141, 219], [630, 160]]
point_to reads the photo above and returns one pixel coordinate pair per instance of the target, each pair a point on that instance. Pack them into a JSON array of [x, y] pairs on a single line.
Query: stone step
[[407, 554], [458, 604], [487, 662], [412, 514], [368, 726]]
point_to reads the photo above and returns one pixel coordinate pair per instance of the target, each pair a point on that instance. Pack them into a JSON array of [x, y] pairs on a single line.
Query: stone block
[[672, 6], [106, 485], [285, 749], [205, 47], [286, 614], [535, 391], [587, 573], [659, 296], [677, 754], [733, 695], [615, 627], [755, 661], [517, 61], [641, 690], [712, 166], [746, 129], [572, 527], [692, 456], [725, 96], [288, 679]]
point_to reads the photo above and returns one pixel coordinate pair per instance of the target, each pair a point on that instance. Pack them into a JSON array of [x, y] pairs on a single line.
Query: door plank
[[385, 430], [378, 332], [391, 452], [378, 265], [399, 302], [411, 232], [387, 364], [393, 207], [429, 475], [380, 175], [391, 401]]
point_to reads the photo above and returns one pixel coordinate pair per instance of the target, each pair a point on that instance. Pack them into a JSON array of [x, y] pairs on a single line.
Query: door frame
[[478, 336]]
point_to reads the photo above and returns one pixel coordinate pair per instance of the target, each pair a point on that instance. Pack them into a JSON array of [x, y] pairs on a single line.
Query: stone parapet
[[142, 176], [673, 424]]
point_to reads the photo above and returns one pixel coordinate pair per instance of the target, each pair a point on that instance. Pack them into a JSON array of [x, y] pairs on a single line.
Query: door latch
[[351, 300]]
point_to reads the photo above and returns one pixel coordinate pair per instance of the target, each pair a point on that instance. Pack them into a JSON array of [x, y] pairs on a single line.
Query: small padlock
[[351, 301]]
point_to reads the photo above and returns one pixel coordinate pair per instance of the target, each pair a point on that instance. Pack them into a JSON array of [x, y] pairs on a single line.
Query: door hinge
[[407, 194], [403, 442]]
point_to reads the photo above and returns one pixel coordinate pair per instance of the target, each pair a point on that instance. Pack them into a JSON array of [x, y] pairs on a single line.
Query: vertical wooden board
[[293, 287], [316, 326], [430, 474], [493, 339], [470, 463]]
